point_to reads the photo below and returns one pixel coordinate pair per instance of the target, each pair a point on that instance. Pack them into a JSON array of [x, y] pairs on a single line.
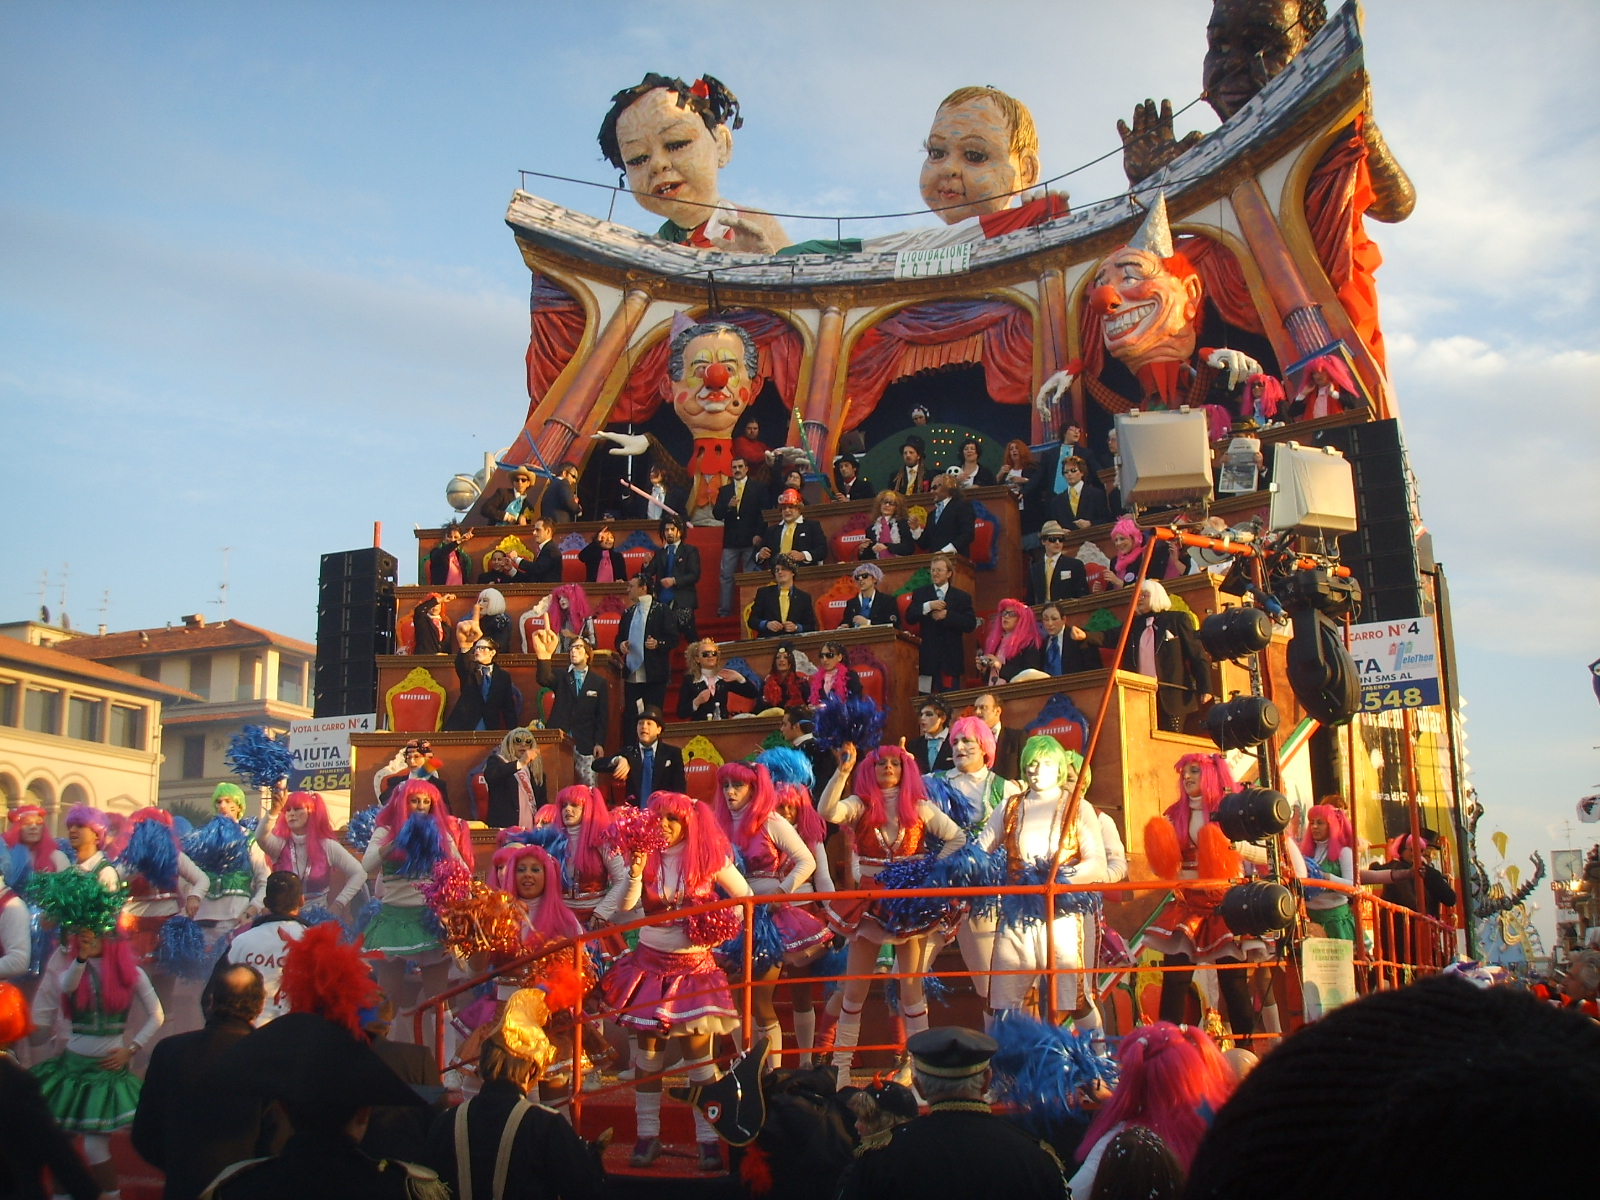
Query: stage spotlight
[[1257, 909], [1242, 722], [1235, 632], [1253, 813]]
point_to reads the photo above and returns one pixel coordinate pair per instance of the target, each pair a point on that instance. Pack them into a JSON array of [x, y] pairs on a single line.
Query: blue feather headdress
[[857, 720], [258, 757], [219, 847], [150, 852], [1041, 1070], [787, 765], [552, 839]]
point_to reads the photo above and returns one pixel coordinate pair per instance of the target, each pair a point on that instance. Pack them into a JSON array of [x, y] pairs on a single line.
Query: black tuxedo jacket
[[765, 608], [743, 525], [943, 641], [584, 717], [883, 611], [687, 573], [823, 763], [808, 537], [589, 556], [494, 509], [1092, 507], [1075, 656], [721, 690], [1183, 670], [954, 527], [559, 504], [1067, 581], [1008, 753], [659, 623], [498, 711], [917, 747], [544, 567], [668, 775]]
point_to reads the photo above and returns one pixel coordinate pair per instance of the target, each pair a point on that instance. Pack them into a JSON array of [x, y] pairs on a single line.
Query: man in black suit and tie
[[545, 565], [1081, 503], [648, 765], [1061, 654], [944, 615], [781, 609], [931, 747], [739, 507], [645, 639], [799, 729], [1007, 742], [869, 606], [674, 573], [802, 542], [487, 700], [582, 706], [1057, 575], [951, 525]]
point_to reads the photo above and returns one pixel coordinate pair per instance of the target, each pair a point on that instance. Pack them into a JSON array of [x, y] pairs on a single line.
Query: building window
[[291, 682], [194, 756], [41, 711], [151, 669], [83, 718], [8, 701], [200, 677], [249, 667], [127, 727]]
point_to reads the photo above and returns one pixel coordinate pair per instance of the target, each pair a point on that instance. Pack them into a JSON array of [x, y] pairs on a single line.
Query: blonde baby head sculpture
[[983, 151]]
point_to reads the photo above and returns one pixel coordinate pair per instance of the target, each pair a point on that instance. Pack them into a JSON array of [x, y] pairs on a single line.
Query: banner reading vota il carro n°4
[[1398, 662], [320, 751]]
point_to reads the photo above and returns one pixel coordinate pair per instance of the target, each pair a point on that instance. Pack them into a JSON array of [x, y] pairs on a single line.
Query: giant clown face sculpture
[[713, 373], [1148, 298]]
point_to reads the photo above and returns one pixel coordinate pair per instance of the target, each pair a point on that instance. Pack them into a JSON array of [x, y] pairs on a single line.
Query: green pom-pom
[[771, 741], [918, 580], [74, 899], [1101, 620]]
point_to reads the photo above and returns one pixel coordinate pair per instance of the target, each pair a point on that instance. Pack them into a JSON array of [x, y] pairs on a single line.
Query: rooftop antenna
[[222, 588], [105, 607], [66, 621], [44, 585]]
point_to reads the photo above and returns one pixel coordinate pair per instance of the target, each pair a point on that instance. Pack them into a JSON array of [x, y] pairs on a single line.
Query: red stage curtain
[[777, 343], [557, 320], [880, 356], [1337, 194]]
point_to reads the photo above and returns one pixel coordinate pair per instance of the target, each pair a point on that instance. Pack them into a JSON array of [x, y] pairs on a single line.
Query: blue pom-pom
[[787, 765], [835, 962], [1040, 1070], [150, 852], [250, 824], [182, 826], [359, 831], [857, 720], [16, 865], [257, 757], [66, 848], [219, 847], [181, 949], [365, 917], [767, 950], [1022, 911], [944, 796], [934, 991], [421, 841], [315, 915]]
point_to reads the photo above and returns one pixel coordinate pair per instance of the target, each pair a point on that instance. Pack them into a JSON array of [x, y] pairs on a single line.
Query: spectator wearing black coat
[[629, 767], [1162, 644], [869, 606], [487, 700], [944, 615], [781, 609], [545, 565], [399, 1131], [645, 638], [601, 551], [582, 705], [186, 1125], [560, 500], [674, 574], [793, 537], [1060, 653], [31, 1142], [1057, 575], [931, 747], [515, 765], [951, 523], [848, 482], [889, 534], [448, 555], [1082, 503], [707, 685], [512, 505], [739, 506]]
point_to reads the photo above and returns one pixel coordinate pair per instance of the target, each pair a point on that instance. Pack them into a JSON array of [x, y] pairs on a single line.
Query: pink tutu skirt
[[670, 993], [798, 929]]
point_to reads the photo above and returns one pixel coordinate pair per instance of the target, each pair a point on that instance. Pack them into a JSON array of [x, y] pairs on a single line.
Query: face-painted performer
[[715, 373], [672, 138]]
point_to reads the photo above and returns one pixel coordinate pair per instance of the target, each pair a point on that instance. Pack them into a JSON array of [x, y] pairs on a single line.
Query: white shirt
[[938, 594], [16, 938], [266, 948], [672, 935], [47, 1007]]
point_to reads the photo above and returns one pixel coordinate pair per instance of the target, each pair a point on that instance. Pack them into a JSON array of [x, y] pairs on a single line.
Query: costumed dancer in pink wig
[[1329, 845], [530, 876], [302, 840], [29, 850], [1327, 391], [889, 818], [775, 859], [593, 876], [1172, 1080], [412, 835], [1186, 843], [159, 875], [88, 832], [1261, 399], [669, 986], [1007, 643], [30, 847]]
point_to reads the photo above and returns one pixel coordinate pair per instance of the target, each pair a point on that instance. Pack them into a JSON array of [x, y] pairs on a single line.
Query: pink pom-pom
[[451, 884], [634, 830], [713, 928]]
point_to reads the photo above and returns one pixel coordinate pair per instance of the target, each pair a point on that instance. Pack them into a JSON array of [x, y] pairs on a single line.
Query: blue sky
[[256, 291]]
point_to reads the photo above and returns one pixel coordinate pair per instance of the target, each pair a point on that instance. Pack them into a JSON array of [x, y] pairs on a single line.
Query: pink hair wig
[[395, 812], [583, 850], [1218, 423], [1400, 846], [1337, 374], [577, 611], [1271, 393], [1216, 781], [1173, 1079], [973, 727], [545, 814], [318, 828], [44, 849], [549, 915], [1125, 527], [1340, 835], [912, 792], [118, 973], [750, 822], [1005, 646], [705, 847], [795, 807]]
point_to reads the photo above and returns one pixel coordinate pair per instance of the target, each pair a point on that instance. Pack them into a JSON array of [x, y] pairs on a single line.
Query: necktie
[[636, 639], [605, 574], [783, 604], [933, 750], [577, 682], [672, 573], [1050, 577], [1052, 656], [938, 510], [484, 672], [738, 494], [647, 774], [1061, 480], [786, 541], [1075, 493]]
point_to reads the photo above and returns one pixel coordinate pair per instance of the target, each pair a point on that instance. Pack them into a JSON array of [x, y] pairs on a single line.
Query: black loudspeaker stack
[[355, 624]]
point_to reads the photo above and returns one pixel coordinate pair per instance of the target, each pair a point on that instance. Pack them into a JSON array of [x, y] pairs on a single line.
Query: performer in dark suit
[[512, 505], [889, 535], [545, 565], [1007, 742], [869, 606], [1057, 575], [944, 615], [560, 500], [1061, 654], [739, 507], [848, 483], [781, 609], [912, 477], [1164, 644], [931, 747], [647, 765], [1082, 503], [951, 524], [184, 1127], [582, 705], [487, 700], [601, 557], [674, 573], [798, 539], [703, 694], [799, 729], [958, 1147], [645, 639]]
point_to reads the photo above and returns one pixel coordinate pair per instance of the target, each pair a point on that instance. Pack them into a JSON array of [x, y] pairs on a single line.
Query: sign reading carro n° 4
[[1398, 662], [320, 751]]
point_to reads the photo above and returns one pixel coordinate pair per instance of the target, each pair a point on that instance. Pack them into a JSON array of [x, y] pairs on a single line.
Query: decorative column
[[564, 425], [816, 414], [1052, 327]]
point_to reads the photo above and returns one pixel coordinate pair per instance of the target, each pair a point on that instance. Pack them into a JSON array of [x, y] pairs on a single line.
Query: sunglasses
[[859, 578], [708, 654], [1055, 538], [826, 654]]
